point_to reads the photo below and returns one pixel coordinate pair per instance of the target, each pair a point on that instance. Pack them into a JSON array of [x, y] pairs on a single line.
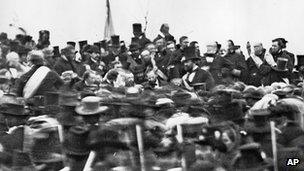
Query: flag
[[109, 29]]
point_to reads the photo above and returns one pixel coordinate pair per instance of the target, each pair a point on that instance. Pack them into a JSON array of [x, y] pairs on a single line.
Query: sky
[[201, 20]]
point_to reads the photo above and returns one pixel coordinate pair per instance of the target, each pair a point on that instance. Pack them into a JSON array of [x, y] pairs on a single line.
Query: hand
[[269, 59]]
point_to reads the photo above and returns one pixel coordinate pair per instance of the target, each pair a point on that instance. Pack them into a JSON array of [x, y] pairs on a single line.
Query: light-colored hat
[[90, 106]]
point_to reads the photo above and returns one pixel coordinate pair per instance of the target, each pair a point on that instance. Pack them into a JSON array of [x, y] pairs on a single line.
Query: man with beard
[[254, 63], [239, 64], [216, 64], [272, 71], [142, 39], [195, 74], [164, 32]]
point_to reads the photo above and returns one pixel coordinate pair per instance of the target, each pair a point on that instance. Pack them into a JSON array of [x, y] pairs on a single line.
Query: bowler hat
[[75, 142], [90, 106], [137, 28], [281, 65], [190, 53]]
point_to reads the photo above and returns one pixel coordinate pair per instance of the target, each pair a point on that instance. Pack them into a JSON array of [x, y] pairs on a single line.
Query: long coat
[[239, 63], [254, 74]]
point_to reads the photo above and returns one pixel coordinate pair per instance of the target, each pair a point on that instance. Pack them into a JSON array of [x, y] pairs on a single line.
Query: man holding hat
[[194, 73]]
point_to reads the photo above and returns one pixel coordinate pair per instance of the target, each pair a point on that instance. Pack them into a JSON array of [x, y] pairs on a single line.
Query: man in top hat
[[194, 73], [239, 64], [114, 50], [214, 63], [138, 33], [164, 32]]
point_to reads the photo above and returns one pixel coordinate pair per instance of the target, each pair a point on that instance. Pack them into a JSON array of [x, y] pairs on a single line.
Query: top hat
[[41, 150], [281, 65], [75, 142], [300, 59], [71, 43], [137, 28], [90, 105], [22, 161], [250, 158], [190, 53], [56, 51], [115, 42], [82, 44], [103, 44]]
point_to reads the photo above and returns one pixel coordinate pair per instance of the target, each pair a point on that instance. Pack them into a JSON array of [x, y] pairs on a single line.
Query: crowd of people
[[156, 104]]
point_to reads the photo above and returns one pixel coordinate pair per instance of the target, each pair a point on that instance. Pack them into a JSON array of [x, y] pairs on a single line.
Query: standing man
[[254, 63], [195, 74], [142, 39], [164, 33], [239, 64]]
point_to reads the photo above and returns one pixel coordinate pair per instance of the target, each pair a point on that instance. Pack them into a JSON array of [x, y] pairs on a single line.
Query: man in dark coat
[[88, 83], [253, 63], [138, 33], [38, 80], [213, 62], [239, 64], [272, 59], [93, 62], [66, 62], [195, 74], [164, 33]]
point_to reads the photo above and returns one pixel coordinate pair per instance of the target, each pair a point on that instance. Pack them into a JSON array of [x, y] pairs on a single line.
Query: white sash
[[35, 81]]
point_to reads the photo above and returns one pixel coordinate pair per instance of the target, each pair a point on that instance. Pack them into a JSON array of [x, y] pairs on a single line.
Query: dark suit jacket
[[202, 76]]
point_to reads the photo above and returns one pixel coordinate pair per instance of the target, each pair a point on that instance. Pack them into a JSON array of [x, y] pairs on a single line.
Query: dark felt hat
[[137, 28], [71, 43], [115, 41], [190, 53], [281, 65], [75, 142], [82, 44], [56, 51]]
